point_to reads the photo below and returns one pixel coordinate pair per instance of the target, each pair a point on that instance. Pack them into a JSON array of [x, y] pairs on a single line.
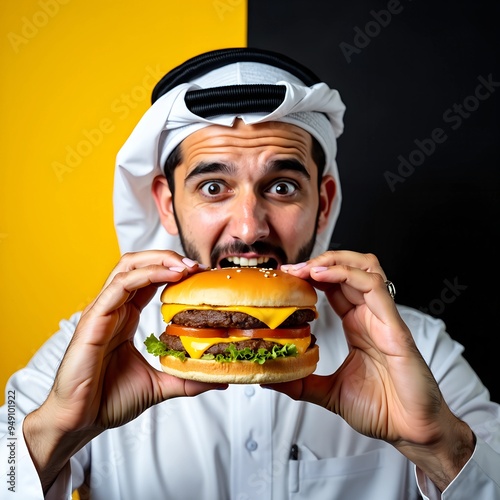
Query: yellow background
[[76, 77]]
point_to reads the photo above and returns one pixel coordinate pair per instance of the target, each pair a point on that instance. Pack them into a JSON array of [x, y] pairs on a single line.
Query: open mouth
[[234, 261]]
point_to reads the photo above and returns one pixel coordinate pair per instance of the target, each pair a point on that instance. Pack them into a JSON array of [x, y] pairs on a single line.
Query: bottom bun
[[243, 372]]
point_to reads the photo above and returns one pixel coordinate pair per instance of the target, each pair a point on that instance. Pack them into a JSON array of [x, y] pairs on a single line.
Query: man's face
[[246, 195]]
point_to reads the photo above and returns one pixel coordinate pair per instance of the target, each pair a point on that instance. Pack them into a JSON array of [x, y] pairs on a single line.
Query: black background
[[435, 226]]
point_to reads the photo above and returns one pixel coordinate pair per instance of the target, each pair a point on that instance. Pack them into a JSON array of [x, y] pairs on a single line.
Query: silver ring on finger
[[390, 288]]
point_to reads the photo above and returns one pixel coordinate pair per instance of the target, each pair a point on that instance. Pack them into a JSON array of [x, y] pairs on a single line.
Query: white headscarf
[[317, 109]]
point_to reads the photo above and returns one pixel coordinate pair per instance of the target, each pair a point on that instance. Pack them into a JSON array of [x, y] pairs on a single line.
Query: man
[[236, 160]]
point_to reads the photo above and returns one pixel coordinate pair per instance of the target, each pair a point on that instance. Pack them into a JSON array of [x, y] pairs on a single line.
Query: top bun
[[246, 286]]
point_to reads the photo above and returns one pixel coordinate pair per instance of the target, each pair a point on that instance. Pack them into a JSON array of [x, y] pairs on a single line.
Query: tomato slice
[[258, 333], [186, 331]]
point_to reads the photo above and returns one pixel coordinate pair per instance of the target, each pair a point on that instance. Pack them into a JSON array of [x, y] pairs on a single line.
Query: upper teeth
[[243, 261]]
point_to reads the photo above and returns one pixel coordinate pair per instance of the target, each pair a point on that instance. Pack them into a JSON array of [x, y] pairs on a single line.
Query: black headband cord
[[235, 99]]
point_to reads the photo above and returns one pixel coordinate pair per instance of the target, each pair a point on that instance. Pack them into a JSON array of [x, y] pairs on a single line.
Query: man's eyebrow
[[274, 166], [204, 167], [288, 164]]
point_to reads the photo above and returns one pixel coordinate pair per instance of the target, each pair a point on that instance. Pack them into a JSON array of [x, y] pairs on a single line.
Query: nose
[[248, 220]]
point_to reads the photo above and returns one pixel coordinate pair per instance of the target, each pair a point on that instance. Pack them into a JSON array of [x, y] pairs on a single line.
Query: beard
[[259, 247]]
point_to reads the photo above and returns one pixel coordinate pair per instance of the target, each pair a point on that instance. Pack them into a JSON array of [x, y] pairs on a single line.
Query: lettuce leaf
[[260, 356], [157, 348]]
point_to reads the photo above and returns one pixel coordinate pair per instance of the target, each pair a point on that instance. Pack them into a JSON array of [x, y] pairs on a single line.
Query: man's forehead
[[263, 149], [250, 135]]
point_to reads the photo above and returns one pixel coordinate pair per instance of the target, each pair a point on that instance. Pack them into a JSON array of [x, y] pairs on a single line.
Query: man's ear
[[327, 192], [164, 204]]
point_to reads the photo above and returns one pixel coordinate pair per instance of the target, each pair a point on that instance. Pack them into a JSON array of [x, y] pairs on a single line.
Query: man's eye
[[283, 188], [212, 188]]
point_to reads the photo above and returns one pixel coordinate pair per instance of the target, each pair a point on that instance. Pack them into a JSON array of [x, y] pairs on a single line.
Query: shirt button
[[251, 445], [249, 391]]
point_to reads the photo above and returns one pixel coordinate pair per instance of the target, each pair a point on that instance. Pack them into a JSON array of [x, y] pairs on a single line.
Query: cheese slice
[[271, 316], [197, 346]]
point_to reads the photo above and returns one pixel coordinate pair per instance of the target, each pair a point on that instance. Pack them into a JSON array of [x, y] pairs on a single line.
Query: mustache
[[260, 248]]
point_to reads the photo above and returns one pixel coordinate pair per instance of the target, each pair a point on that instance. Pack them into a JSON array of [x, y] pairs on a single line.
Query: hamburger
[[239, 326]]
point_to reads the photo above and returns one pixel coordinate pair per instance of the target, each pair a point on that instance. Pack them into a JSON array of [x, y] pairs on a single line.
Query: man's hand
[[384, 389], [103, 381]]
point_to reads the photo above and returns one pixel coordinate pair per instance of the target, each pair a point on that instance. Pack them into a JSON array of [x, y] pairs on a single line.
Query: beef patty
[[200, 318]]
